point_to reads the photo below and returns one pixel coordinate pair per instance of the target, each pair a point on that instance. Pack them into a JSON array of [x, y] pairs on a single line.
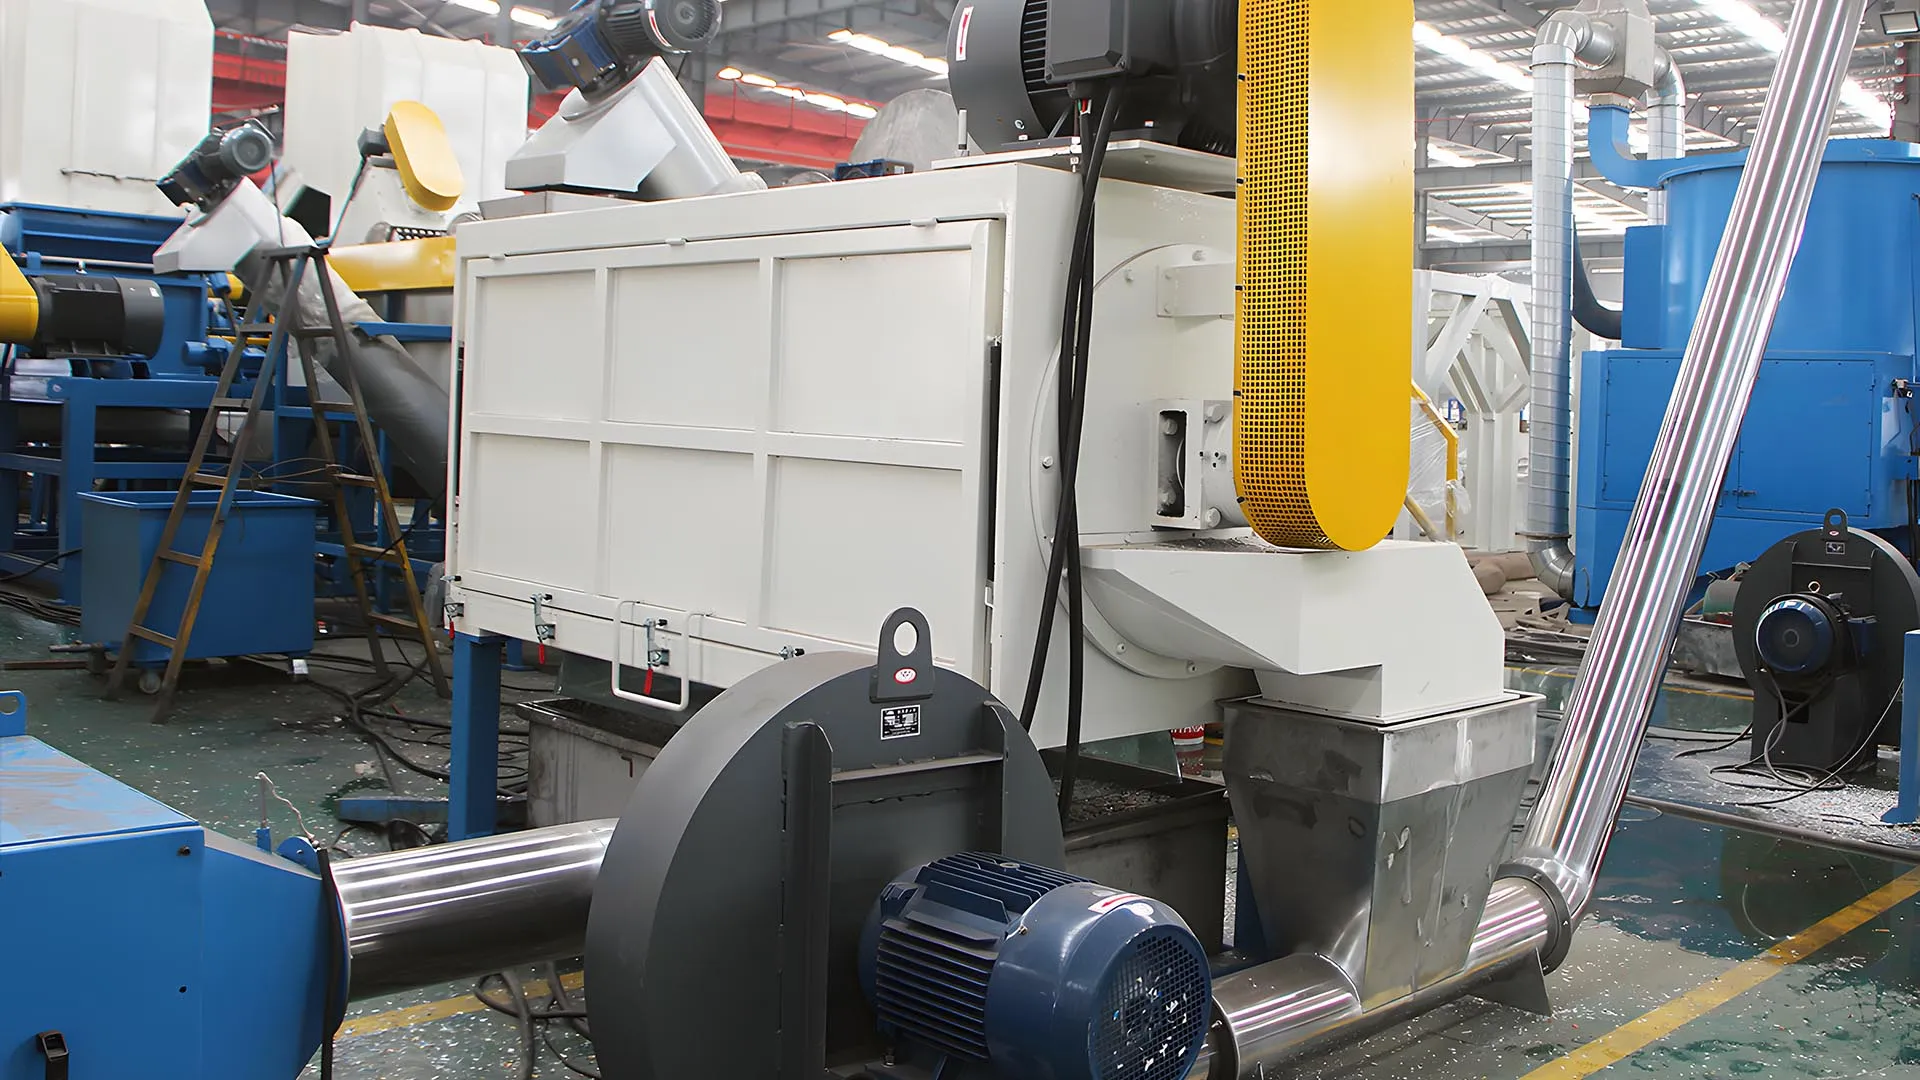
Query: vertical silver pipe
[[1666, 128], [450, 911], [1606, 715], [1549, 487]]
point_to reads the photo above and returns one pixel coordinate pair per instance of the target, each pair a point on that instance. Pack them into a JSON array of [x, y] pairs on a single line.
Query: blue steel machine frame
[[210, 914], [178, 376], [1830, 422]]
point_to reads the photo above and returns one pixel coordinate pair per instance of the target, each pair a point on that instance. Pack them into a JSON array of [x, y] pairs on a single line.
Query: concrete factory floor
[[1711, 953]]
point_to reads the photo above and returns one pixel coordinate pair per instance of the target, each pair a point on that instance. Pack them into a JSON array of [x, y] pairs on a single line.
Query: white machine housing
[[338, 85], [768, 419], [99, 99]]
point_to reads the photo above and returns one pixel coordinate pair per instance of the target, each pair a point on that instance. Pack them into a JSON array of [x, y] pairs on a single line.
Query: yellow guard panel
[[428, 167], [396, 266], [1326, 241], [19, 304]]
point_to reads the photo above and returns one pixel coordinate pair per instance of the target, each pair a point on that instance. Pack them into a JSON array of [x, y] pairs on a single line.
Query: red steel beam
[[776, 130]]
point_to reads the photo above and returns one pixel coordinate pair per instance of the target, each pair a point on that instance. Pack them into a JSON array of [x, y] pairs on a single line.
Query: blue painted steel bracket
[[1906, 809], [13, 713], [474, 790], [379, 810]]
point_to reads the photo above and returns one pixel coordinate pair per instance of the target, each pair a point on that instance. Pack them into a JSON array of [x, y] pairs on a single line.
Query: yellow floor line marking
[[415, 1015], [1651, 1027], [1557, 673]]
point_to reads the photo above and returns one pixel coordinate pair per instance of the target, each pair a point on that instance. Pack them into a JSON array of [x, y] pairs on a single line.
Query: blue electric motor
[[599, 45], [1021, 972]]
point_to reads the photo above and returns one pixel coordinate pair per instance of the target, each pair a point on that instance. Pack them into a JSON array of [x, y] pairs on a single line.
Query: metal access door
[[768, 442]]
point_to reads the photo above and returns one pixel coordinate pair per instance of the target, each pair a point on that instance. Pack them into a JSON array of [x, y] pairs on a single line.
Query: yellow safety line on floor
[[415, 1015], [1651, 1027], [1553, 673]]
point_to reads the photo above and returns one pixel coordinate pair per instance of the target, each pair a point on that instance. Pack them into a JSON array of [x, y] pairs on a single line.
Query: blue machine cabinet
[[258, 599], [158, 947], [71, 425], [1827, 425]]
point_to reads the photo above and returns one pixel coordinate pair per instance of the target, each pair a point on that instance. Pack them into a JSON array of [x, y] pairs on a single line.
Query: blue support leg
[[1906, 809], [471, 809], [9, 480], [77, 435]]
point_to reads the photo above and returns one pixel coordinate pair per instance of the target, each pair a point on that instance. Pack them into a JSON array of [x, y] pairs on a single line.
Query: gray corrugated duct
[[402, 398], [1564, 38], [1666, 128], [1567, 39]]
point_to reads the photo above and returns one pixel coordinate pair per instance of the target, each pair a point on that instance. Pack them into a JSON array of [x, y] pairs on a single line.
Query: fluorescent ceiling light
[[1762, 31], [523, 16], [899, 54], [1447, 159], [815, 98], [1456, 50]]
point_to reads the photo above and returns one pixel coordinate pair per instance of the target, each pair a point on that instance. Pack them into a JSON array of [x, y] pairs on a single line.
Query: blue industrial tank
[[1828, 424]]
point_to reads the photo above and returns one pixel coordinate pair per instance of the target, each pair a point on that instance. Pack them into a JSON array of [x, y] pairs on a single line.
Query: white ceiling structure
[[1473, 98], [1472, 83]]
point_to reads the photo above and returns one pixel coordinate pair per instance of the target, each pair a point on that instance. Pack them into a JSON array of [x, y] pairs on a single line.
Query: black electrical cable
[[1745, 734], [1069, 534], [1075, 338], [39, 566], [334, 1005], [1868, 743], [359, 705], [536, 1021], [1913, 486]]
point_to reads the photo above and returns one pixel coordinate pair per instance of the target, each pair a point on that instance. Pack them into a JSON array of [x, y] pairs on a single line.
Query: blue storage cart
[[258, 599]]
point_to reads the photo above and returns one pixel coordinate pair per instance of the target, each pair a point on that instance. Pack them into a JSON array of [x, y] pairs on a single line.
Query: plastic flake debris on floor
[[1680, 905]]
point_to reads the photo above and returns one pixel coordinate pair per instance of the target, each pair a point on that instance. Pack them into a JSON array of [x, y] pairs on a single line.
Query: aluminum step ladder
[[276, 325]]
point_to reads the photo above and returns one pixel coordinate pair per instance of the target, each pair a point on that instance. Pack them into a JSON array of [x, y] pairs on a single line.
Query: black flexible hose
[[1599, 319]]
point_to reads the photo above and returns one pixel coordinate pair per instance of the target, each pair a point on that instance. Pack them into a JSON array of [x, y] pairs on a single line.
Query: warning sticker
[[900, 722], [1108, 903], [960, 35]]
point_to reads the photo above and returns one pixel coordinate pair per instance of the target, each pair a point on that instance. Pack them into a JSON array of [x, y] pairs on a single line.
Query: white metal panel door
[[711, 433]]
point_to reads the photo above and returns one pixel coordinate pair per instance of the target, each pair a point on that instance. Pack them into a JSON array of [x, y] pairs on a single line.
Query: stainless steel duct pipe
[[1566, 39], [1614, 693], [1574, 42], [1296, 1006], [1666, 128], [452, 911]]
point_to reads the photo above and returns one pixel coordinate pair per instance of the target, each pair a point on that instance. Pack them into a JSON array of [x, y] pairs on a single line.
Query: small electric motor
[[1819, 628]]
